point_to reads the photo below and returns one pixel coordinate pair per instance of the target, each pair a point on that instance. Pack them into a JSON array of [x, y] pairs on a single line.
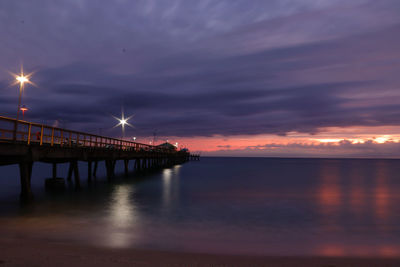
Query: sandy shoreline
[[21, 252]]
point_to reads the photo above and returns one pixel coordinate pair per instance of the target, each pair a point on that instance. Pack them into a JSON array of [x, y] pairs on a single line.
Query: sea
[[242, 206]]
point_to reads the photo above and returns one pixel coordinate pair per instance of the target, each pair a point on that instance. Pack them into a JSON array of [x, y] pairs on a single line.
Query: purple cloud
[[200, 68]]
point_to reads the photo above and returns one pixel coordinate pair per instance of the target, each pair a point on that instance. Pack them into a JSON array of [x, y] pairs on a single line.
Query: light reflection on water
[[382, 195], [357, 195], [256, 206], [170, 187], [330, 197], [124, 218], [166, 179], [368, 209]]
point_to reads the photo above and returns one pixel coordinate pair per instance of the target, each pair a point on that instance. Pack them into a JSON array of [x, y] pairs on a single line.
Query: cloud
[[204, 68], [344, 148], [225, 146]]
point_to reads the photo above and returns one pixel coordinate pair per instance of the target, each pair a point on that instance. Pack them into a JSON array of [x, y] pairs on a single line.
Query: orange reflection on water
[[343, 250], [332, 251], [330, 195], [389, 251], [382, 202], [357, 197], [382, 194]]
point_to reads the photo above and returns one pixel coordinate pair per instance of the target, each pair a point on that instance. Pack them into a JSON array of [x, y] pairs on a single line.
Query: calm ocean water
[[335, 207]]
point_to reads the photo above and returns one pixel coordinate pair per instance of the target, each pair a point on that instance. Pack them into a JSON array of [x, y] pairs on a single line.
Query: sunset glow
[[340, 142]]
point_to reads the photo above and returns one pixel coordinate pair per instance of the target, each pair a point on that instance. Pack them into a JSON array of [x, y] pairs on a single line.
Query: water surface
[[334, 207]]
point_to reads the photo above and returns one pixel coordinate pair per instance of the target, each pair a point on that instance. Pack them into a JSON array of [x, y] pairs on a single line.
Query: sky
[[285, 78]]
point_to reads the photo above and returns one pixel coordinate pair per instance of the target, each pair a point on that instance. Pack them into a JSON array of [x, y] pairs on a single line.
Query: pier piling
[[70, 171], [54, 170], [126, 164], [25, 169], [95, 169], [89, 171], [76, 175]]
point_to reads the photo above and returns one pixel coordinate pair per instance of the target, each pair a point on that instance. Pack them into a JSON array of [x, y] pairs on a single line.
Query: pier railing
[[29, 133]]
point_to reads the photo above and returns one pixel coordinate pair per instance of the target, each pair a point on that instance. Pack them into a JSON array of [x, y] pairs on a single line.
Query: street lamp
[[20, 79], [23, 109], [123, 121]]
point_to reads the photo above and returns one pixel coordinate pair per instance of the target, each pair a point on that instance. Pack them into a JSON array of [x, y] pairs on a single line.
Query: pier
[[25, 143]]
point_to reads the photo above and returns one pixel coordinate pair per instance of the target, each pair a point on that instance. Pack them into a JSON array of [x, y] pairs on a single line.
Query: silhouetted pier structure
[[24, 143]]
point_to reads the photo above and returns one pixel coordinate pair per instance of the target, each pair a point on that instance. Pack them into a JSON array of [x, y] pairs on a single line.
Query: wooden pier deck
[[24, 143]]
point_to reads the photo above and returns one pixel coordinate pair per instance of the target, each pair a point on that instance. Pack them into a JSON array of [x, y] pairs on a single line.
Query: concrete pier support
[[54, 170], [95, 169], [70, 171], [25, 169], [73, 169], [126, 165], [54, 183], [110, 167], [89, 171], [76, 175], [107, 163], [144, 164], [137, 165]]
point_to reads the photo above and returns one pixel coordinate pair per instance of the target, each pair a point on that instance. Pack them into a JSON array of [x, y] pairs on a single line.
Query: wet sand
[[22, 252]]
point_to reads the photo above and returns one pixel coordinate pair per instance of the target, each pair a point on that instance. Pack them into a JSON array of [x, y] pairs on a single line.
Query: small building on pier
[[168, 146]]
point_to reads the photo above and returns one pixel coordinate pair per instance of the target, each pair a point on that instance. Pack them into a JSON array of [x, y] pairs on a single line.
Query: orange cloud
[[335, 142]]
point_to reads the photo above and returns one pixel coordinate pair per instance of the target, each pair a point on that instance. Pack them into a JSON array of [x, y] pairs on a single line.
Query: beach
[[22, 252]]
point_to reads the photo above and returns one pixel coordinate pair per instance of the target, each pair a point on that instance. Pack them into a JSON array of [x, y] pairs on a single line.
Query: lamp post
[[21, 79], [23, 109]]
